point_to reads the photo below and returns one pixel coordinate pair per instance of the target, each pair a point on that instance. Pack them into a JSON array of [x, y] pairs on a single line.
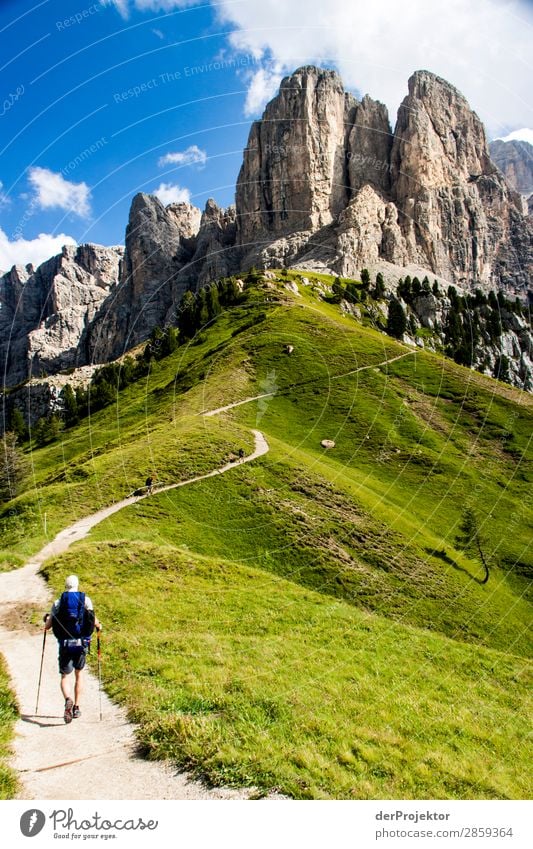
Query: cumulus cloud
[[191, 156], [172, 193], [262, 86], [23, 251], [481, 46], [525, 134], [52, 191]]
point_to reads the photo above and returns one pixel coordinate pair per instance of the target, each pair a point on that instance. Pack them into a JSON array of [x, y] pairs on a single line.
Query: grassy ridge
[[306, 621], [298, 523]]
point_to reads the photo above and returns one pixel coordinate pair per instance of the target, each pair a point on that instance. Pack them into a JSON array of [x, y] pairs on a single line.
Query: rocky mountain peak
[[515, 160], [438, 138], [326, 184], [45, 312], [295, 171]]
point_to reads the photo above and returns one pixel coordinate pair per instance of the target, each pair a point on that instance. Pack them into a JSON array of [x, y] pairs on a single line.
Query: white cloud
[[52, 191], [193, 155], [159, 34], [525, 134], [262, 86], [481, 46], [172, 193], [23, 251], [124, 6]]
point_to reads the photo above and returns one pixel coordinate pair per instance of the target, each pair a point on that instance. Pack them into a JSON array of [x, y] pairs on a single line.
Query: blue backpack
[[72, 620]]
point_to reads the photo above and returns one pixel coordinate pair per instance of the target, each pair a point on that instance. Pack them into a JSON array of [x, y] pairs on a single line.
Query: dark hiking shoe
[[76, 712], [69, 705]]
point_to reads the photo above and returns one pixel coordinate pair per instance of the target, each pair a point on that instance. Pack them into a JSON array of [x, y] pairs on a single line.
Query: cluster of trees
[[13, 467], [473, 317], [409, 289], [470, 318], [198, 309], [356, 293], [102, 391]]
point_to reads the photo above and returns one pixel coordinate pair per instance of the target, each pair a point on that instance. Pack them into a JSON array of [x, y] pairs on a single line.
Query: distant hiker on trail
[[241, 453], [150, 484], [72, 620]]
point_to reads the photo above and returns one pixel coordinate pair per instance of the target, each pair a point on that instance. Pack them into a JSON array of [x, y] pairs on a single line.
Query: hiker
[[241, 454], [73, 620], [150, 484]]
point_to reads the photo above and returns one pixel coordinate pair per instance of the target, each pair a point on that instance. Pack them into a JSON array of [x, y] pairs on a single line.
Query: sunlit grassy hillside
[[306, 621]]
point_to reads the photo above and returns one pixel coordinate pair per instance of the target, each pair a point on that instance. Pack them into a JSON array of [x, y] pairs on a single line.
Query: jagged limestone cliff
[[325, 184]]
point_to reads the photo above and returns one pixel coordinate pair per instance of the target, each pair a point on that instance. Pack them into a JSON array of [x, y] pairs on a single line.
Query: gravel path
[[88, 759]]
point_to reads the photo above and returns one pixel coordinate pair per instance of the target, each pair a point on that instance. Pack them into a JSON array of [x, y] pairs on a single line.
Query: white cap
[[72, 582]]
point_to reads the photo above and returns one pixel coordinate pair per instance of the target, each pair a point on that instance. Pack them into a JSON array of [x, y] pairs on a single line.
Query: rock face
[[515, 161], [45, 313], [369, 147], [458, 216], [437, 200], [325, 184], [215, 254], [295, 170], [508, 355], [159, 243], [168, 250]]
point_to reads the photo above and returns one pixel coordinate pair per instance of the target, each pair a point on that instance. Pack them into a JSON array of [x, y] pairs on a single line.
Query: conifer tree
[[469, 539]]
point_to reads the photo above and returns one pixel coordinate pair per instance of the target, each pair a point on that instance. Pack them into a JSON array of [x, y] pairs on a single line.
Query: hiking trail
[[89, 759], [86, 759]]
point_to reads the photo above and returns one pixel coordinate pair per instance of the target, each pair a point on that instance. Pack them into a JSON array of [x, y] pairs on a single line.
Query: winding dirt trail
[[87, 759]]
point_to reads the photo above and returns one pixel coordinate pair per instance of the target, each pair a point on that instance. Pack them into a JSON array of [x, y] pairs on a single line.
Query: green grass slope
[[8, 715], [247, 678], [305, 621]]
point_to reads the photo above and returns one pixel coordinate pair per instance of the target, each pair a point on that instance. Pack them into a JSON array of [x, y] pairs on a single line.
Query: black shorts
[[71, 657]]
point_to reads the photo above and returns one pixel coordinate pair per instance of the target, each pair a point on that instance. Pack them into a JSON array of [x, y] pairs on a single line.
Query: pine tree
[[338, 290], [187, 316], [469, 540], [46, 430], [365, 277], [351, 293], [379, 289], [13, 467], [202, 311], [70, 406], [396, 320], [17, 425], [501, 368], [213, 303]]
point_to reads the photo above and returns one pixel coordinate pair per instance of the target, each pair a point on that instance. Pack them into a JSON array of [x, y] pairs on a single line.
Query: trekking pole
[[99, 671], [40, 675]]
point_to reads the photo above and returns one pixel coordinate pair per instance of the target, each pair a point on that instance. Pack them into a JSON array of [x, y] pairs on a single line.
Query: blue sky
[[104, 98]]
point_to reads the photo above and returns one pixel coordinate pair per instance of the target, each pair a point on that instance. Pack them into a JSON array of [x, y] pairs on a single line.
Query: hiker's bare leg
[[78, 686], [65, 687]]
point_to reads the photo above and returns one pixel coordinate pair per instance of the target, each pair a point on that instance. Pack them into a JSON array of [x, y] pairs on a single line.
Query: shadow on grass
[[443, 555]]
